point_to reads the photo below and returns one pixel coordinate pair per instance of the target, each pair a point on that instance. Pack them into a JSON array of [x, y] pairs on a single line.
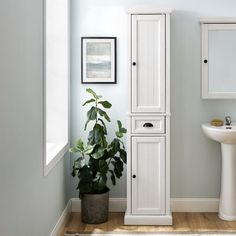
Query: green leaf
[[118, 134], [104, 126], [89, 101], [113, 178], [79, 147], [98, 152], [73, 150], [85, 174], [114, 147], [79, 163], [97, 135], [85, 127], [123, 146], [118, 167], [105, 104], [89, 90], [116, 144], [123, 130], [103, 114], [80, 144], [103, 167], [91, 140], [84, 187], [74, 171], [119, 164], [123, 155], [89, 149], [91, 115], [117, 173], [119, 124], [102, 183]]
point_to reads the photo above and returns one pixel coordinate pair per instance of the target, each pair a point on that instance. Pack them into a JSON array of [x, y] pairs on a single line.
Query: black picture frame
[[107, 69]]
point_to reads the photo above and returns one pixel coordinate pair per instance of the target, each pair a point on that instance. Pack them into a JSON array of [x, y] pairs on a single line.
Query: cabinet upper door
[[148, 63], [148, 175]]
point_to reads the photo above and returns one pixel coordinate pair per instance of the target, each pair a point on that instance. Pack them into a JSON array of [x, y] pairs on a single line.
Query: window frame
[[63, 150]]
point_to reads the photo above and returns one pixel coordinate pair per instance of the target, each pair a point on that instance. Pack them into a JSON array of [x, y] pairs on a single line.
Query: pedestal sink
[[226, 135]]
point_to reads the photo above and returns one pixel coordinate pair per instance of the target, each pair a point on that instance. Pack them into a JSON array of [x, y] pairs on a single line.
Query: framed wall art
[[98, 60]]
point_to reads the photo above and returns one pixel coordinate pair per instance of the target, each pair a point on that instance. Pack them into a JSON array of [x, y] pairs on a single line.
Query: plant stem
[[96, 111]]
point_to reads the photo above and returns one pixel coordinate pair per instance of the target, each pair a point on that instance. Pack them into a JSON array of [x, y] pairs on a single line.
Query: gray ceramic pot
[[94, 208]]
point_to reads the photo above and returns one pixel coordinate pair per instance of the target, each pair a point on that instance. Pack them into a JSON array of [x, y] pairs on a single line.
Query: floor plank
[[183, 222]]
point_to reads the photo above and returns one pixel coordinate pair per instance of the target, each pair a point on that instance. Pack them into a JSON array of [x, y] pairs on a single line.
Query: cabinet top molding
[[148, 9], [222, 20]]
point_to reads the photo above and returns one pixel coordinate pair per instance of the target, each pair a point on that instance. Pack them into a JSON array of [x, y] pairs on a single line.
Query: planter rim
[[107, 191]]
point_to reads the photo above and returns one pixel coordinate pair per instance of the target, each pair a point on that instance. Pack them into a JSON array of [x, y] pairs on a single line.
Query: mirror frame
[[206, 26]]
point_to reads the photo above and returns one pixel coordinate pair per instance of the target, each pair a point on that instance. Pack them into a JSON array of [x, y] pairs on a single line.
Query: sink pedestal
[[227, 207]]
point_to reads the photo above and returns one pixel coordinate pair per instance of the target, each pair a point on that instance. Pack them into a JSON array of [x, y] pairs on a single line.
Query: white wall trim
[[194, 204], [177, 204], [147, 9], [62, 220], [213, 20]]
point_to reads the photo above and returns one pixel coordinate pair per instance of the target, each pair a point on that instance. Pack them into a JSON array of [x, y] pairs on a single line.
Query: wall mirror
[[218, 59]]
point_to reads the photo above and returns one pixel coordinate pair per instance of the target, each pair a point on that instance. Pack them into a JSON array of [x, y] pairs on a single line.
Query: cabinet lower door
[[148, 175]]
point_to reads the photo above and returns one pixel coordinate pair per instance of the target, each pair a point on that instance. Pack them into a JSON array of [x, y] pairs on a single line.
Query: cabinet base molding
[[148, 220]]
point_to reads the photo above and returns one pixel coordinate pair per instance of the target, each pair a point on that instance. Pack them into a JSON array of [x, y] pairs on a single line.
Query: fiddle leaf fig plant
[[98, 159]]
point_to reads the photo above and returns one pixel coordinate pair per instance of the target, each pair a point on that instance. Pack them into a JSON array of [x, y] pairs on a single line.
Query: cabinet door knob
[[205, 61], [133, 176], [148, 125], [134, 63]]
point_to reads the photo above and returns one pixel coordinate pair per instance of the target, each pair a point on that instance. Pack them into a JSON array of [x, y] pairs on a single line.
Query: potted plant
[[97, 161]]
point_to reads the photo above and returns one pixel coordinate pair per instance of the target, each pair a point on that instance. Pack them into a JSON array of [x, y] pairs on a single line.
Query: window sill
[[54, 153]]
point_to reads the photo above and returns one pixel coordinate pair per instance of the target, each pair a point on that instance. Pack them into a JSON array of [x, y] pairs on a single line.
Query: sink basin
[[226, 135], [223, 134]]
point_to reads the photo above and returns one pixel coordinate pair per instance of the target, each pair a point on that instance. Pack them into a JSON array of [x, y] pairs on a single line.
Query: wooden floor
[[183, 222]]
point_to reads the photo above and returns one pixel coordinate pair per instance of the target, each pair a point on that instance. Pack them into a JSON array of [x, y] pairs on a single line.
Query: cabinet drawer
[[148, 125]]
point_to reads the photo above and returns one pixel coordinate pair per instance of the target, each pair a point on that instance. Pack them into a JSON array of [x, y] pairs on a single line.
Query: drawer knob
[[134, 176], [148, 125]]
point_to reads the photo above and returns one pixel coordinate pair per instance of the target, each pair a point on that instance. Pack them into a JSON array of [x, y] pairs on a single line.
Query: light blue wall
[[195, 160], [30, 204]]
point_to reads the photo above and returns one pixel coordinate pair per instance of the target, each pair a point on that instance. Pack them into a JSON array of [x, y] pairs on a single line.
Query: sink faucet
[[228, 120]]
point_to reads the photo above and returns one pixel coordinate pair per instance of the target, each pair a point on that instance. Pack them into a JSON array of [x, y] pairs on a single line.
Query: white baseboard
[[177, 204], [62, 220], [194, 204]]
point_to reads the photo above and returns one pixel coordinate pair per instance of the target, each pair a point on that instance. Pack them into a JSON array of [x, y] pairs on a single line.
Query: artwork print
[[98, 60]]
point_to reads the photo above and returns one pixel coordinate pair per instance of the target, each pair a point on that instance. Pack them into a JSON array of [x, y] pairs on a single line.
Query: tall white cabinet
[[148, 167]]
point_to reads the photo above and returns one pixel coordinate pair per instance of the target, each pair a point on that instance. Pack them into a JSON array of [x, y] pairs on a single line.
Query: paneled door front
[[148, 63], [148, 175]]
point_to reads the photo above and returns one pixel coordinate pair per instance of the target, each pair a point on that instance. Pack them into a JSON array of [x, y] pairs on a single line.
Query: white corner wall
[[30, 204], [195, 160]]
